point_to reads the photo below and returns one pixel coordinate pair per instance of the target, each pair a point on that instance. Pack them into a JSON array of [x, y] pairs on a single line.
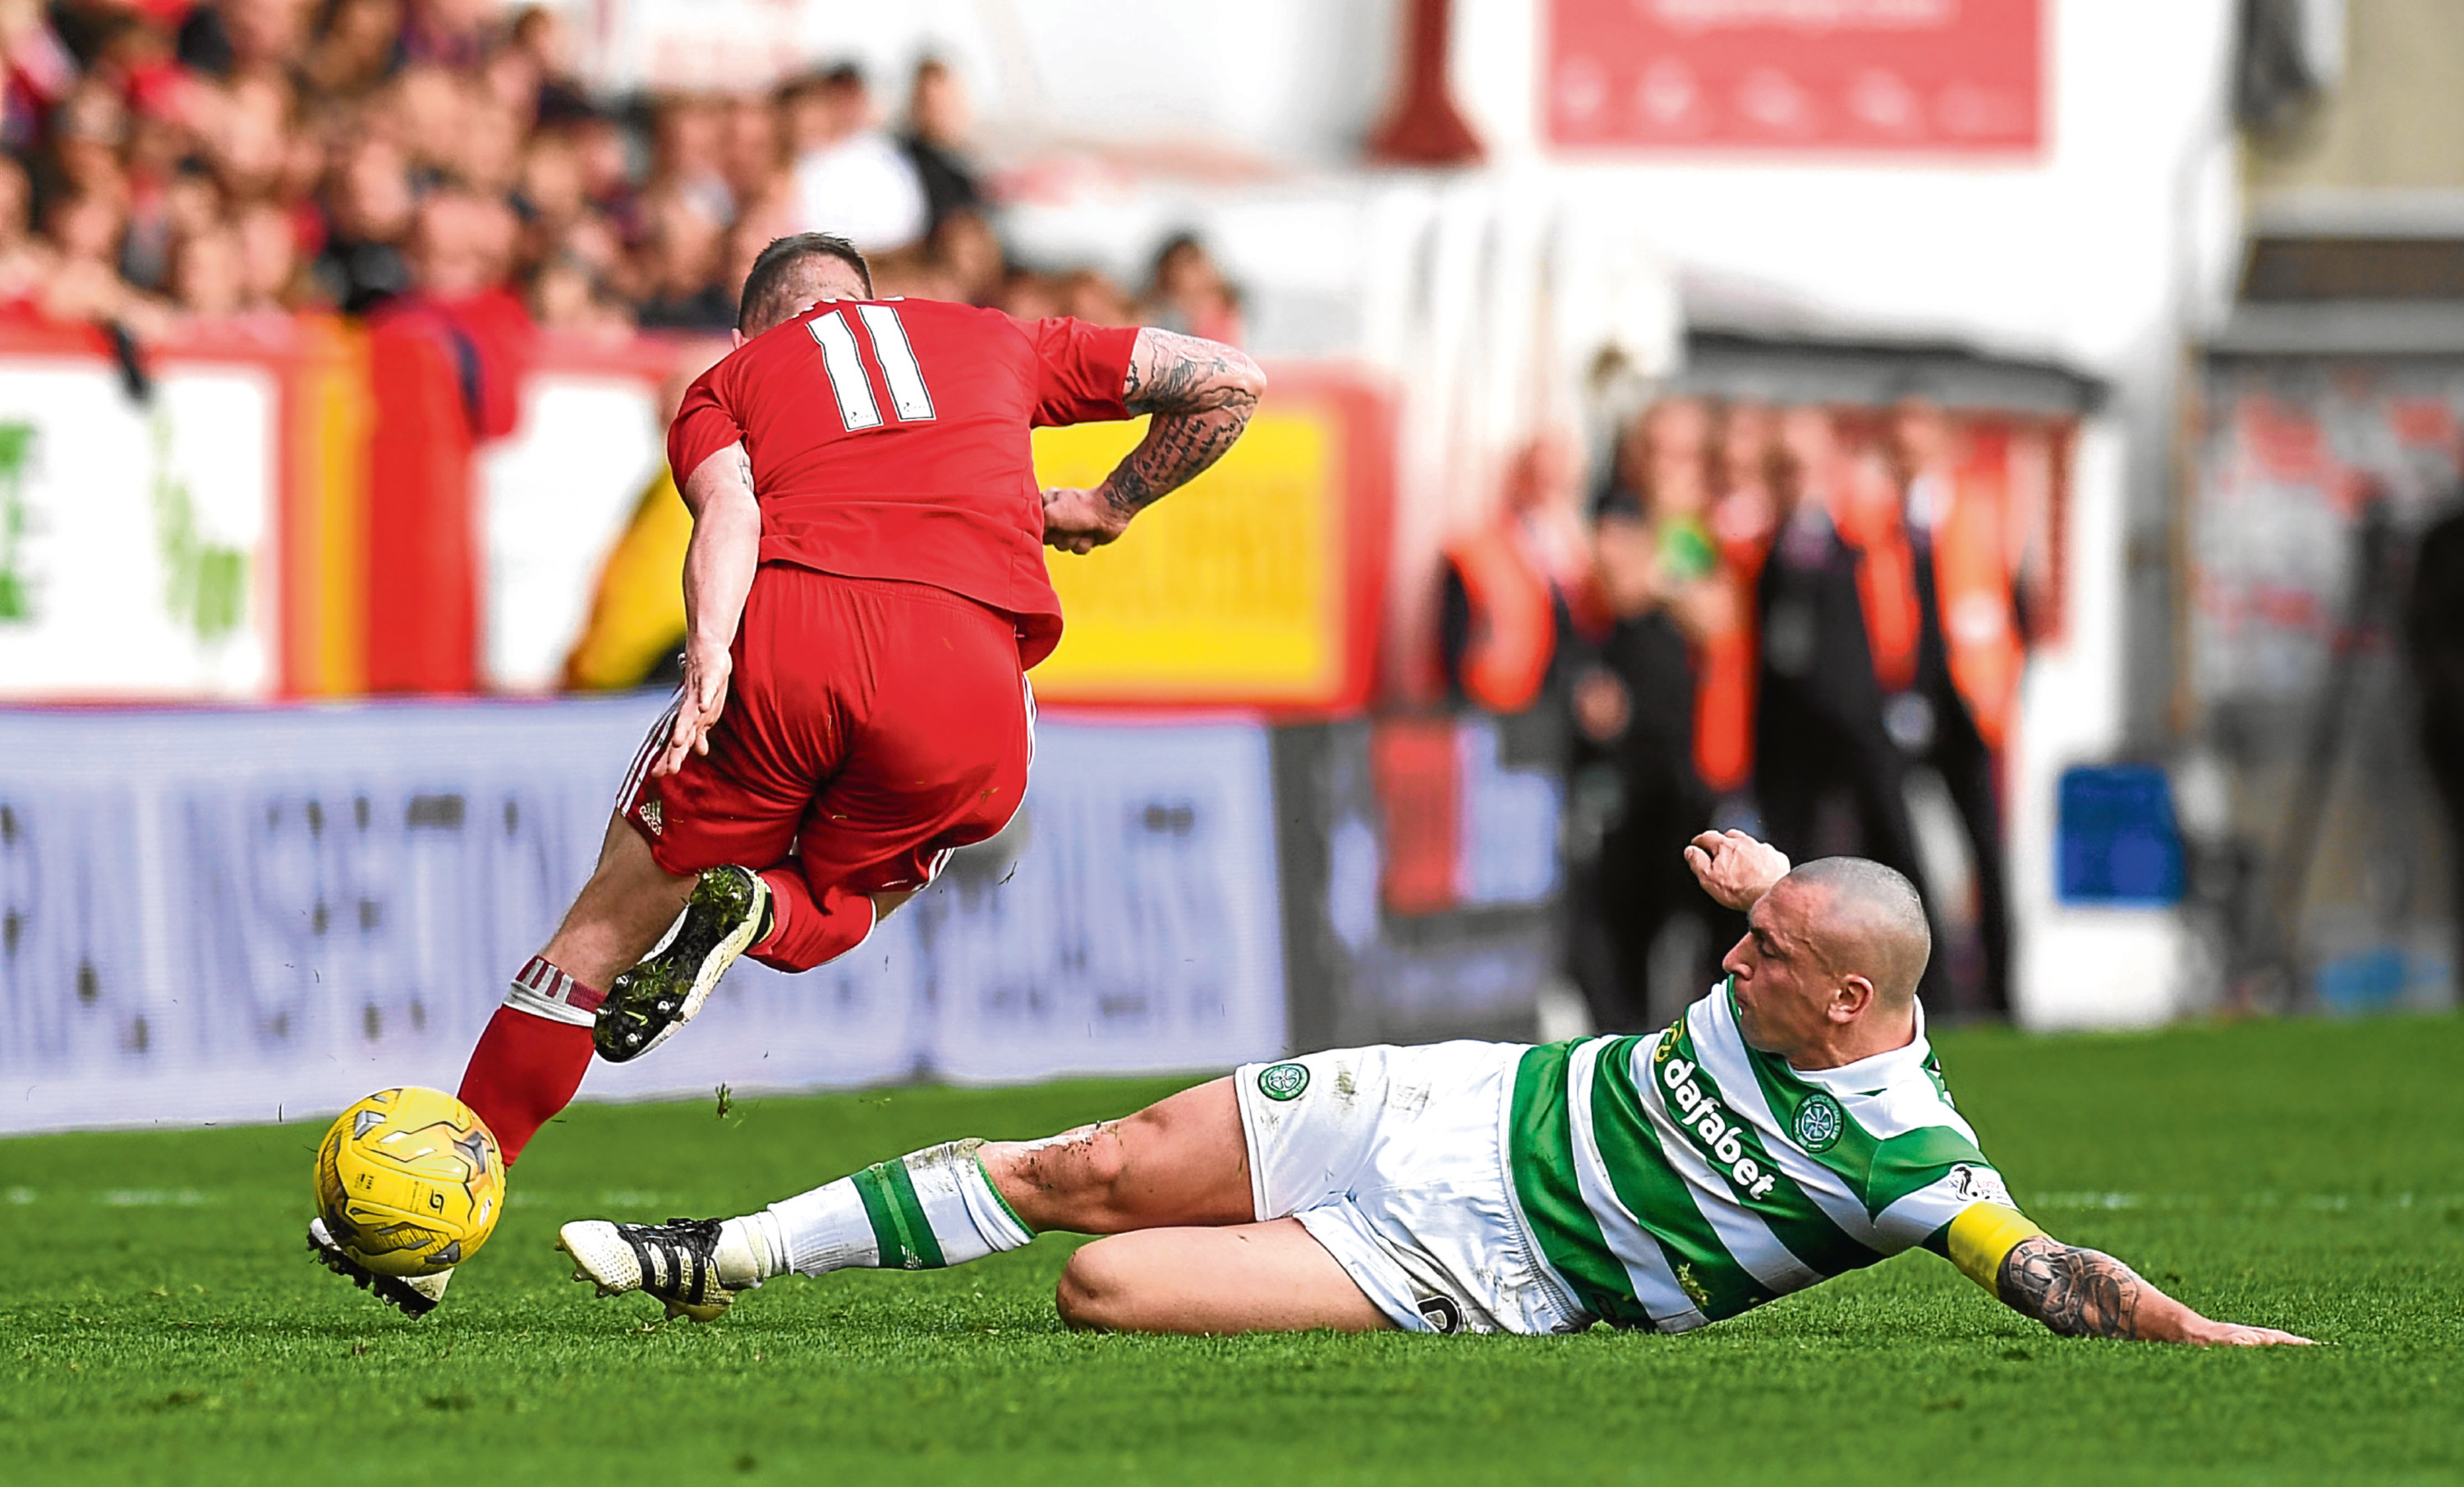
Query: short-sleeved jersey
[[890, 439], [1677, 1180]]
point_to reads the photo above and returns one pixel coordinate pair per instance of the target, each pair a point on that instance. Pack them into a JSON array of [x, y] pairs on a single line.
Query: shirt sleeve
[[1079, 370], [703, 426], [1922, 1214]]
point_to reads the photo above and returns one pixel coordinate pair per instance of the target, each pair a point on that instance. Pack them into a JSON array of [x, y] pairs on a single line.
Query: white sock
[[751, 1250], [925, 1211]]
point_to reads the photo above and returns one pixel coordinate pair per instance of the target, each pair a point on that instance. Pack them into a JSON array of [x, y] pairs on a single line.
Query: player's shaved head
[[1868, 920], [791, 274]]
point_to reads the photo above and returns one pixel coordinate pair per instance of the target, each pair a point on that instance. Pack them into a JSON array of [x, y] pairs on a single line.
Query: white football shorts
[[1395, 1159]]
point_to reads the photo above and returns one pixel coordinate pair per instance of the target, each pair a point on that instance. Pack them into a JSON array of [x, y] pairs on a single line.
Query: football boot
[[730, 909], [413, 1296], [678, 1261]]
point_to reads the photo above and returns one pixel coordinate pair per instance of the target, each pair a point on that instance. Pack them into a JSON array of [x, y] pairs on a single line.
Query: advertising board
[[1919, 77], [241, 915]]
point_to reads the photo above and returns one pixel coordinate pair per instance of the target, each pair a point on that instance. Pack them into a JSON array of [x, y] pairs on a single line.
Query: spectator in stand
[[1743, 514], [1521, 609], [355, 48], [231, 39], [205, 278], [368, 205], [936, 141], [85, 283], [1188, 292], [752, 156], [1827, 774], [87, 130], [850, 179], [541, 49], [268, 260], [448, 33], [25, 261], [688, 151], [1092, 296], [966, 248], [682, 288]]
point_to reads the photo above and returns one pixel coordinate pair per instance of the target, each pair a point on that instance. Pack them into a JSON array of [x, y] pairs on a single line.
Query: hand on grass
[[2203, 1333]]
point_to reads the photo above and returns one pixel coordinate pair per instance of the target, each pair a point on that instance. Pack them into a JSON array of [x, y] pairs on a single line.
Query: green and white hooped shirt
[[1677, 1180]]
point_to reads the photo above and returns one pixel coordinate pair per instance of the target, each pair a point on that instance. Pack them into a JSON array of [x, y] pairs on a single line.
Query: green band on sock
[[994, 1188], [881, 1210], [910, 1214]]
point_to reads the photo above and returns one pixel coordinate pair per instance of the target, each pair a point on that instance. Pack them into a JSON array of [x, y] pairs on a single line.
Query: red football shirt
[[889, 439]]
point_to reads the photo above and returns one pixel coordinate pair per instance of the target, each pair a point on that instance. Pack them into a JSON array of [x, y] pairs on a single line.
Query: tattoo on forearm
[[1201, 398], [2076, 1293], [1178, 449]]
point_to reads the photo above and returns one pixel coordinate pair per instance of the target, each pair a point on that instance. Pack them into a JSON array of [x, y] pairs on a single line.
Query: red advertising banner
[[1923, 76]]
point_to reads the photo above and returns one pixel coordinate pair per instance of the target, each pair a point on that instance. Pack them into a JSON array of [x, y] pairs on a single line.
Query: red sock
[[811, 928], [532, 1056]]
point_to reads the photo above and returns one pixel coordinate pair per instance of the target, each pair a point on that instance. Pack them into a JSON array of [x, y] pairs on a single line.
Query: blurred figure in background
[[1520, 611], [25, 259], [1188, 292], [850, 179], [936, 141], [1827, 774], [1743, 514], [369, 202], [2433, 632], [1678, 648], [1956, 714], [1521, 618], [682, 287]]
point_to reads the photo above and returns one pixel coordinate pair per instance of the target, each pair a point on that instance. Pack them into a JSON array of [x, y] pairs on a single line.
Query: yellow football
[[409, 1182]]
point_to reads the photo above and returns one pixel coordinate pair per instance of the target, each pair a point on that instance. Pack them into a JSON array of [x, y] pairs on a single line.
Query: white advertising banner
[[557, 494], [231, 916], [137, 540]]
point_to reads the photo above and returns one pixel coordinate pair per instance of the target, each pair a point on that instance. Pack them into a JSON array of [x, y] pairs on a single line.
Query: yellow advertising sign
[[1230, 589]]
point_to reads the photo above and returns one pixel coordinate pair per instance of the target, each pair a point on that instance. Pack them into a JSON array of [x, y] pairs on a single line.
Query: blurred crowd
[[1762, 617], [171, 160]]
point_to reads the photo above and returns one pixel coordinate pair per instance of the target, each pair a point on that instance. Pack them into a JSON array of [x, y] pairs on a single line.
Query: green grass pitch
[[158, 1321]]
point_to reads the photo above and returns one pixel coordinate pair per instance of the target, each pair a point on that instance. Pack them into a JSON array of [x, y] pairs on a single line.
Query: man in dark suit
[[1818, 729]]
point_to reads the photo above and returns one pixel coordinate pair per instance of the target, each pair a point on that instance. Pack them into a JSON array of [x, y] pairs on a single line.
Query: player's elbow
[[1244, 380]]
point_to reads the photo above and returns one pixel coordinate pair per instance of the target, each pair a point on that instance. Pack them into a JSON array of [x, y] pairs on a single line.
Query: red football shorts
[[870, 727]]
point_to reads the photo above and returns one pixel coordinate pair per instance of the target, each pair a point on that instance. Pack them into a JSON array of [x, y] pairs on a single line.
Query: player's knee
[[1095, 1292]]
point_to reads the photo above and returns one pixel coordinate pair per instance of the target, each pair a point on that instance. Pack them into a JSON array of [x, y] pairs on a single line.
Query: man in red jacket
[[864, 591]]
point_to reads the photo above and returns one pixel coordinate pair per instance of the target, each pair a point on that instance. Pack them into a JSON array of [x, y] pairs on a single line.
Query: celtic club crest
[[1282, 1081], [1819, 1123]]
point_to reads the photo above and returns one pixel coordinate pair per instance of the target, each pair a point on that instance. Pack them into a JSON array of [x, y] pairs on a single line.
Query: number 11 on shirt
[[857, 408]]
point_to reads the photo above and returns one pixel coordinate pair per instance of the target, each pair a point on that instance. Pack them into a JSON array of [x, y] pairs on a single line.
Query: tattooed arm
[[1201, 395], [719, 561], [2081, 1293]]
